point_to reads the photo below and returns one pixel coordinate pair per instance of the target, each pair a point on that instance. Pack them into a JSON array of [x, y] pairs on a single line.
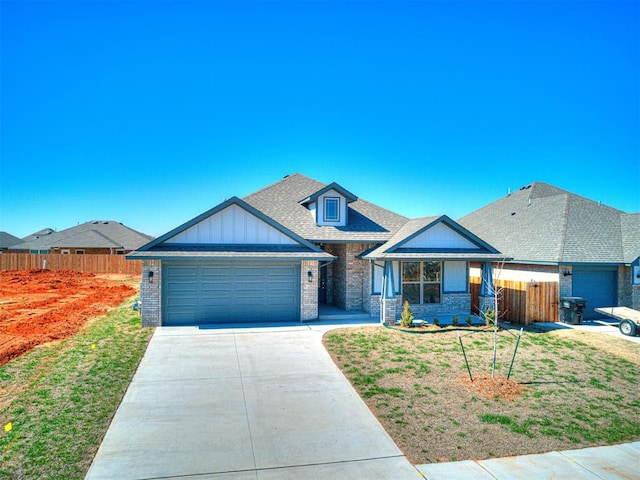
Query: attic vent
[[513, 213], [96, 222], [105, 223]]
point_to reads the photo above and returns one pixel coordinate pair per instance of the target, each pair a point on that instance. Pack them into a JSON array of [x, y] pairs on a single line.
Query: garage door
[[200, 294], [598, 286]]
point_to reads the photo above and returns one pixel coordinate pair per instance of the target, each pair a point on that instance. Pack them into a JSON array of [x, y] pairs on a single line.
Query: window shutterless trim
[[324, 213]]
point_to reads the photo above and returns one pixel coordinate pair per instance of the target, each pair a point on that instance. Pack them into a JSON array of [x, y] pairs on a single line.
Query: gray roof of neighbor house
[[8, 240], [93, 234], [366, 222], [544, 224], [38, 234]]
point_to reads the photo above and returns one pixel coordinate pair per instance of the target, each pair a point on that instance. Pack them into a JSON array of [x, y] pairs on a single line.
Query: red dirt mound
[[39, 306]]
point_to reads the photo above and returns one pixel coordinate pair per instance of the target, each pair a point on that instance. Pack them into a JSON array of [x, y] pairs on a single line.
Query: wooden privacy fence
[[79, 263], [522, 302]]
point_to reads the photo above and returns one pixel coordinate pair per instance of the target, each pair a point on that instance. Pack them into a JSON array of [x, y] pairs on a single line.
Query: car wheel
[[627, 327]]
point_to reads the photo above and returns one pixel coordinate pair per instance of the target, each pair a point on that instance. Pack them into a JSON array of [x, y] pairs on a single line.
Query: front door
[[322, 286]]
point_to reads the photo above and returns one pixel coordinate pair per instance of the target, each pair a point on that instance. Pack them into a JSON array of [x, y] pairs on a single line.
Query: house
[[104, 237], [7, 240], [280, 253], [590, 249]]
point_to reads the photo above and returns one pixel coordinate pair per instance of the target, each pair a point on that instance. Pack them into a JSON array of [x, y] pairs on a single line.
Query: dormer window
[[329, 205], [331, 209]]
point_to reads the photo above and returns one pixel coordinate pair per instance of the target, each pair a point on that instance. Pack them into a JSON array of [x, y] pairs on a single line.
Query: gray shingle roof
[[366, 222], [543, 223], [8, 240], [93, 234], [630, 223]]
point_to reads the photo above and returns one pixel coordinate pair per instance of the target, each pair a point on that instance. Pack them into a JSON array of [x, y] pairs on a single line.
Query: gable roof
[[93, 234], [8, 240], [399, 246], [166, 246], [366, 222], [332, 186], [541, 223]]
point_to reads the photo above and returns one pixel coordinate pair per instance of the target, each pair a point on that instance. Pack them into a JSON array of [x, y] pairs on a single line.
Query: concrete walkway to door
[[244, 403]]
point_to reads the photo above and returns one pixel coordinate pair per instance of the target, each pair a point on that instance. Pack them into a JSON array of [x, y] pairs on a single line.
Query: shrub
[[456, 320], [406, 317], [469, 320], [436, 321], [489, 316]]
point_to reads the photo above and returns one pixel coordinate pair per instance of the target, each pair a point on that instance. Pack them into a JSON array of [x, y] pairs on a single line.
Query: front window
[[331, 209], [421, 282]]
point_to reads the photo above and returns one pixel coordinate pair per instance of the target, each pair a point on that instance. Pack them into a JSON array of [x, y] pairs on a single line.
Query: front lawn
[[56, 402], [568, 390]]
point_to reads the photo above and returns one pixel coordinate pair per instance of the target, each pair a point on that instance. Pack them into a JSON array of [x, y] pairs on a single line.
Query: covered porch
[[426, 263]]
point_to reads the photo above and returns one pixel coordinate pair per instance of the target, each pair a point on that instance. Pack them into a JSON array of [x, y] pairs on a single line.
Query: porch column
[[487, 293], [388, 296]]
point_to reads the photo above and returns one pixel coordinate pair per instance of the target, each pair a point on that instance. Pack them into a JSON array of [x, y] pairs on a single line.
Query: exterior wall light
[[567, 273], [150, 276], [310, 275]]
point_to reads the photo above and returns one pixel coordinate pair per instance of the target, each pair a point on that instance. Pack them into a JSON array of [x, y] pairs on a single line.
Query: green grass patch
[[580, 390], [60, 397]]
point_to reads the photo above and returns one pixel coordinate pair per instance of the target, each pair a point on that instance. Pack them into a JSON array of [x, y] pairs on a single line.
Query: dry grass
[[567, 390]]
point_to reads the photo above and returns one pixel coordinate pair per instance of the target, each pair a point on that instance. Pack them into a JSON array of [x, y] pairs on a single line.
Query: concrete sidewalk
[[617, 462], [243, 403]]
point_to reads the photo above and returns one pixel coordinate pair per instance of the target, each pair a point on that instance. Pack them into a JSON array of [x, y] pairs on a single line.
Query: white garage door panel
[[231, 292]]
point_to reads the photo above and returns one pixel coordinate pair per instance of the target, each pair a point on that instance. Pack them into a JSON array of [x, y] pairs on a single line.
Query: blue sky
[[151, 112]]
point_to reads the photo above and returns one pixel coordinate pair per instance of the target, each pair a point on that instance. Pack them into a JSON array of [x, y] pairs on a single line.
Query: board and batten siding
[[455, 278], [232, 226], [439, 236], [378, 271]]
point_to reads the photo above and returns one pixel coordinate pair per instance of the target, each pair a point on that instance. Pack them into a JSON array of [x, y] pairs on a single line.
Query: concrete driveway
[[244, 403]]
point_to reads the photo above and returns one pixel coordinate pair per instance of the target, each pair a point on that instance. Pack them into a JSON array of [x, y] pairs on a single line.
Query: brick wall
[[391, 310], [565, 282], [309, 290], [635, 297], [374, 306], [451, 304], [151, 294]]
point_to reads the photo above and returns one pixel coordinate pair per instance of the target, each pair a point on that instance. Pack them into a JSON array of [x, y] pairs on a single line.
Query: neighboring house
[[7, 240], [95, 237], [590, 249], [281, 252]]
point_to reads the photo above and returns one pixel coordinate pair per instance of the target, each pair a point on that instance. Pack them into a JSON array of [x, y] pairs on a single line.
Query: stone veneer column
[[485, 302], [151, 294], [389, 310], [309, 290]]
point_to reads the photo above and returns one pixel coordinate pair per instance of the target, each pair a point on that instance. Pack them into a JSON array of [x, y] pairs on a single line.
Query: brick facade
[[348, 277], [628, 293], [565, 282], [151, 294], [309, 290]]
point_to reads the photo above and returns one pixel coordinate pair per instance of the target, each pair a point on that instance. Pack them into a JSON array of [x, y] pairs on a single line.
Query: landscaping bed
[[39, 306], [566, 390]]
